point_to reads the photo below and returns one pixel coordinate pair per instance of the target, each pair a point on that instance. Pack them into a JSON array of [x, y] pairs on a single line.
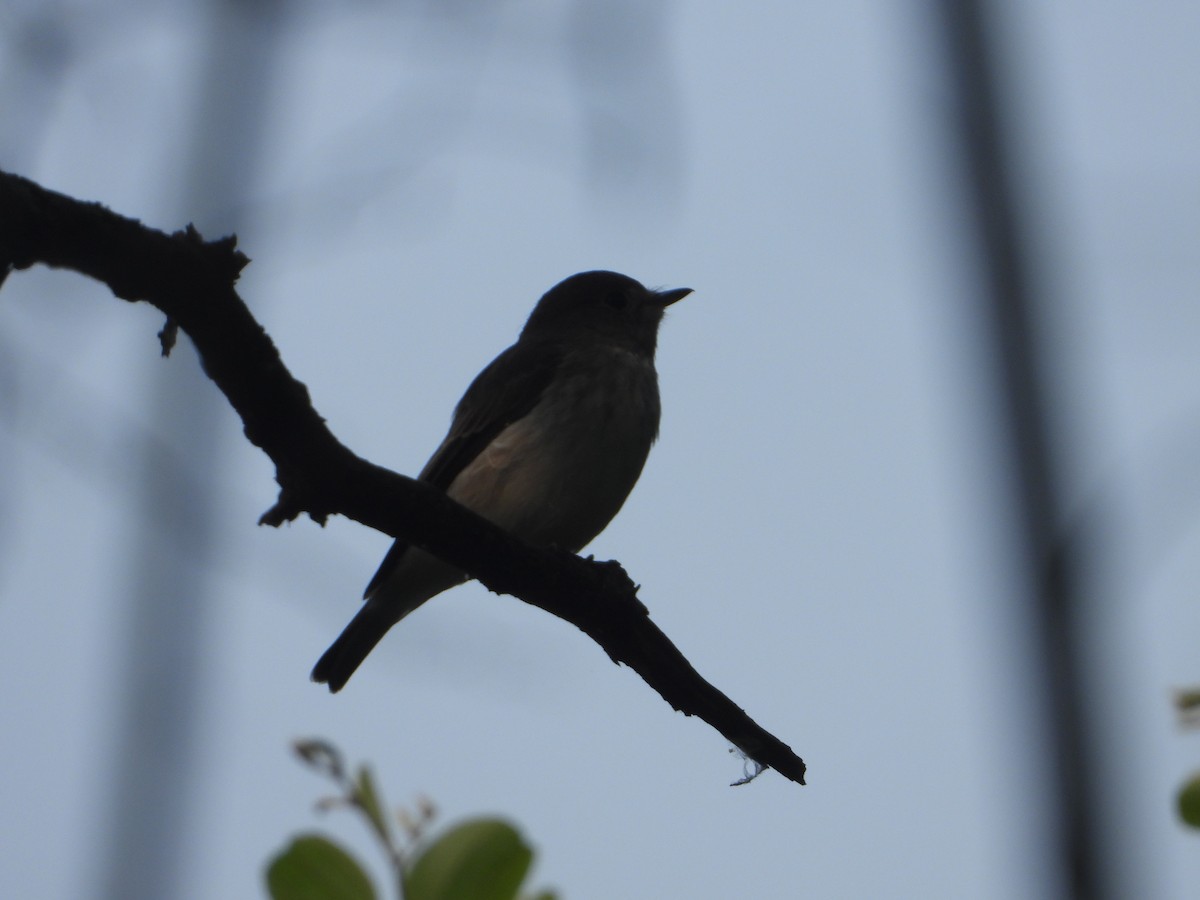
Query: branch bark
[[192, 281]]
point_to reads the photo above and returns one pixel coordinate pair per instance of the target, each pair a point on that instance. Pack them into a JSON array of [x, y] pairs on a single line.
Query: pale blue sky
[[821, 529]]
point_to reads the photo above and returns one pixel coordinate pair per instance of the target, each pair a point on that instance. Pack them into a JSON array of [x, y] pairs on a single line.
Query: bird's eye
[[616, 299]]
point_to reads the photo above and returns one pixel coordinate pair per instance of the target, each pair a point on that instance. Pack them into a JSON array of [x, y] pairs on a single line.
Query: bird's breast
[[559, 474]]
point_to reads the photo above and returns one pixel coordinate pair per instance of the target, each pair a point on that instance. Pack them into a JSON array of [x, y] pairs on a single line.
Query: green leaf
[[314, 868], [368, 798], [1189, 801], [1188, 699], [484, 859]]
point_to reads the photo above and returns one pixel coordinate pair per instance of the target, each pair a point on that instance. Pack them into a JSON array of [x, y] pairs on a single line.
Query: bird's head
[[608, 304]]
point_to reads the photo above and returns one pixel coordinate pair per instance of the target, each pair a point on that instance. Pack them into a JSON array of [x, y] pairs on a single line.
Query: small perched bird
[[547, 443]]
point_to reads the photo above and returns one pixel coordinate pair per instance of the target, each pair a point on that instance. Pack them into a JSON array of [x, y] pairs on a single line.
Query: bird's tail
[[404, 587], [358, 639]]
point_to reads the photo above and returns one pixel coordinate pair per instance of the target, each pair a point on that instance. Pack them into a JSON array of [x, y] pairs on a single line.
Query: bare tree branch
[[192, 281]]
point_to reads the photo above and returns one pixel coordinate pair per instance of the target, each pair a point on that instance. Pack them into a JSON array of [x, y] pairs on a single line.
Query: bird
[[547, 442]]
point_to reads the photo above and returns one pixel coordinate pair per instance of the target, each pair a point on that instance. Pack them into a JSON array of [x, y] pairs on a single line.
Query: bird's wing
[[501, 394]]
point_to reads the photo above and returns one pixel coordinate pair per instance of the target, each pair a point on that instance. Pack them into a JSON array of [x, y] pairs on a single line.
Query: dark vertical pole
[[1052, 556], [171, 555]]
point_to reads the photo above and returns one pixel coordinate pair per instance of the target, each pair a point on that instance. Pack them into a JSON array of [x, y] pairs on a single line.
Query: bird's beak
[[666, 298]]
